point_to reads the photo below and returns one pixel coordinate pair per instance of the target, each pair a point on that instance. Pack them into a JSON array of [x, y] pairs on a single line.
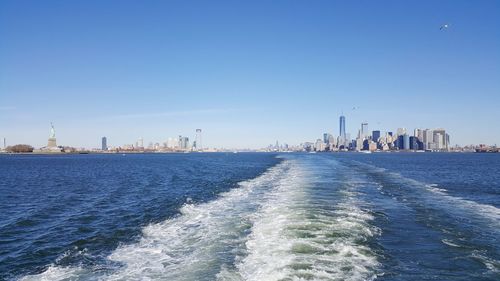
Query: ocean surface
[[250, 216]]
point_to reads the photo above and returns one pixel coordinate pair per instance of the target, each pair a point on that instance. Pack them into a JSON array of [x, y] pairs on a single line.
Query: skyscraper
[[428, 138], [375, 135], [197, 141], [183, 142], [342, 134], [104, 144], [441, 138], [406, 141], [364, 130]]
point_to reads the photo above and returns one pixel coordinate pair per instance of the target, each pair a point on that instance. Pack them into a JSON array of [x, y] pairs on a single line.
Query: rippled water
[[250, 217]]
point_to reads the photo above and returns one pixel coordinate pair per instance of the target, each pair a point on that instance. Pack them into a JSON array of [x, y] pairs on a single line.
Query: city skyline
[[437, 139], [127, 70]]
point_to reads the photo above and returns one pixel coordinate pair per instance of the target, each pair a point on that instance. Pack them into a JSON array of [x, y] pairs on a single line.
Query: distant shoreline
[[229, 151]]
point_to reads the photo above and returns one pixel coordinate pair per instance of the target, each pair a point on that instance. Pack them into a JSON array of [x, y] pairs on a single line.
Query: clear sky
[[247, 72]]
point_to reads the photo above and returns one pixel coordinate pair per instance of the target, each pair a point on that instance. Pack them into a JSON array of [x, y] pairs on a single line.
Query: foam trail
[[442, 198], [192, 246], [274, 227], [294, 239]]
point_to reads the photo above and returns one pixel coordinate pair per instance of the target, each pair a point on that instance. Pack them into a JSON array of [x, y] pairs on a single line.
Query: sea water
[[250, 216]]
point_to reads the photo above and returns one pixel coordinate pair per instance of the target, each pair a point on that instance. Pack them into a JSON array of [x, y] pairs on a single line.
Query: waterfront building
[[332, 140], [364, 130], [172, 143], [372, 146], [342, 135], [441, 138], [375, 136], [104, 144], [319, 145], [419, 133], [183, 142], [308, 146], [198, 145], [358, 144], [427, 138], [406, 141], [438, 140], [325, 138], [400, 131], [366, 144], [414, 143]]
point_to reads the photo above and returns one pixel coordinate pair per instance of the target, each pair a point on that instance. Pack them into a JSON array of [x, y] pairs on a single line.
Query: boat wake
[[440, 198], [270, 228]]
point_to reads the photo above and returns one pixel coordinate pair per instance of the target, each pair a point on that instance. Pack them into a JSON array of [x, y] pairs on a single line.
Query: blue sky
[[247, 72]]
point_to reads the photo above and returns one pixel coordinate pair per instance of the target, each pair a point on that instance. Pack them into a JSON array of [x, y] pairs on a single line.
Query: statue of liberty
[[52, 131], [52, 138]]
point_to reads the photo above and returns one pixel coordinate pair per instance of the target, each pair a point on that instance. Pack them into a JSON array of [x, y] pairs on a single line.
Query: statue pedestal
[[52, 142]]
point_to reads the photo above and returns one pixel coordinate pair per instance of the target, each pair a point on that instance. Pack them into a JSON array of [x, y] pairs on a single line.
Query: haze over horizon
[[247, 73]]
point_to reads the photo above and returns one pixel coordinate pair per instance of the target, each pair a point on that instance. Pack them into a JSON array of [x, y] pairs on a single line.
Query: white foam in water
[[492, 264], [485, 211], [56, 273], [184, 247], [287, 243], [268, 229], [193, 246]]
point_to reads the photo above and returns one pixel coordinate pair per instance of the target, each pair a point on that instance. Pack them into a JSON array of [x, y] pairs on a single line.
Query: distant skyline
[[247, 73]]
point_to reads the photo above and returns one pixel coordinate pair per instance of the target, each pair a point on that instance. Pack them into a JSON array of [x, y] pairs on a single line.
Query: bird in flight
[[444, 26]]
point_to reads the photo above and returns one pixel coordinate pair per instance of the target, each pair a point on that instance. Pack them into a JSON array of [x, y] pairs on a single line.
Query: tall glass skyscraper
[[342, 127], [104, 143], [342, 140], [364, 130]]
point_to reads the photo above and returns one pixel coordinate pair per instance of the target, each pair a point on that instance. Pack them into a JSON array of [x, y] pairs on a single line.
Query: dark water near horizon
[[250, 216]]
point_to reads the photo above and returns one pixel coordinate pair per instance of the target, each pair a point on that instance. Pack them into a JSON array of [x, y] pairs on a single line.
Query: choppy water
[[250, 217]]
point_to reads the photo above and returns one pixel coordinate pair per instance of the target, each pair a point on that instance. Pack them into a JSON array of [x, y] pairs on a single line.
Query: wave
[[267, 229], [187, 246], [440, 197], [293, 240]]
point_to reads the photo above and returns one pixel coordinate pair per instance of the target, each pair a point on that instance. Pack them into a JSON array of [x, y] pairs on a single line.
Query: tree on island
[[19, 148]]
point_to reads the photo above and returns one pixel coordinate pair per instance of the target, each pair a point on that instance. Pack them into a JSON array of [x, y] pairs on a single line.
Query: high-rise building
[[104, 144], [4, 143], [375, 136], [319, 145], [198, 145], [401, 131], [414, 143], [364, 130], [441, 138], [183, 142], [140, 143], [342, 134], [419, 133], [427, 138], [406, 141], [325, 138], [172, 143], [332, 140]]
